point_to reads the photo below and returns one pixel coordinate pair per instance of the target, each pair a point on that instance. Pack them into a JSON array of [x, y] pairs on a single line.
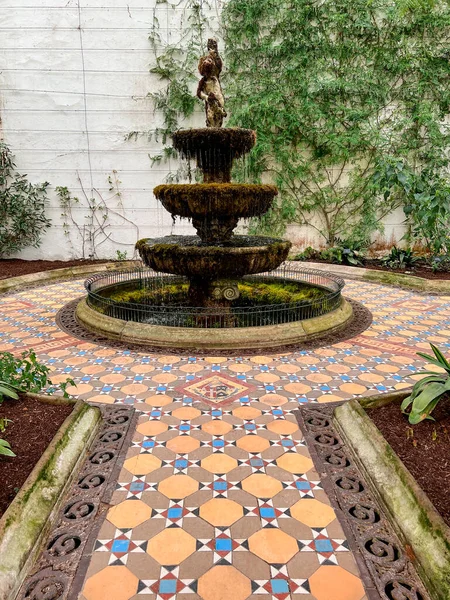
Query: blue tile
[[323, 545], [279, 586], [267, 513], [168, 586], [120, 545], [224, 545], [174, 513], [220, 486]]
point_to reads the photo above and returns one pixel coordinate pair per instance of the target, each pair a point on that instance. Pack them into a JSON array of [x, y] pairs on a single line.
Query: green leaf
[[429, 393], [5, 448], [441, 358], [8, 391]]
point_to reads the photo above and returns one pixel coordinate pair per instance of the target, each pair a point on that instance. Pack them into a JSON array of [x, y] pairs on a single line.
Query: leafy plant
[[427, 392], [121, 256], [440, 263], [24, 374], [399, 258], [345, 252], [307, 254], [5, 448], [4, 422], [22, 207]]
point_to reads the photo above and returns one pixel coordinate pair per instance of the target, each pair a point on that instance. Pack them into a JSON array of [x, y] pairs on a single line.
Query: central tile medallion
[[216, 390]]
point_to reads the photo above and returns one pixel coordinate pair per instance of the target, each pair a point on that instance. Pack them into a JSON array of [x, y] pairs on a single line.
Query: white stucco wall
[[73, 82]]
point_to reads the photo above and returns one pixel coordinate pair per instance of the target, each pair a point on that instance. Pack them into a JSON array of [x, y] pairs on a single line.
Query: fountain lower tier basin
[[186, 255]]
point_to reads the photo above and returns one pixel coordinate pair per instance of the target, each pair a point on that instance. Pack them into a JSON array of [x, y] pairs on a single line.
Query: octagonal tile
[[182, 444], [112, 582], [171, 546], [142, 464], [129, 513], [186, 413], [158, 400], [253, 443], [178, 486], [224, 583], [217, 427], [261, 485], [294, 463], [332, 581], [219, 463], [152, 428], [282, 427], [313, 513], [221, 512], [273, 399], [246, 412], [273, 545]]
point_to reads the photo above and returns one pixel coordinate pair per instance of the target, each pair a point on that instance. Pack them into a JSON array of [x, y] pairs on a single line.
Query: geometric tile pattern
[[218, 497]]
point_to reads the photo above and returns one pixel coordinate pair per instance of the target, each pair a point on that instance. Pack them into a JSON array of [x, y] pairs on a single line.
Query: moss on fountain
[[252, 293], [186, 255], [217, 199]]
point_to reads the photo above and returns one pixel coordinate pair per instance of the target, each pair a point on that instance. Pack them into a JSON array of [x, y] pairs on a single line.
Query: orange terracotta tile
[[253, 443], [134, 389], [129, 513], [182, 444], [297, 388], [102, 399], [273, 399], [246, 412], [294, 463], [282, 427], [267, 377], [164, 378], [217, 427], [221, 512], [186, 413], [313, 513], [152, 427], [157, 400], [219, 463], [262, 485], [224, 583], [142, 464], [334, 582], [273, 545], [171, 546], [178, 486], [111, 583]]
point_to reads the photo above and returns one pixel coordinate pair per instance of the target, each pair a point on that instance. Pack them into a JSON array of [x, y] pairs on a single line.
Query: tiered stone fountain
[[193, 294], [215, 258]]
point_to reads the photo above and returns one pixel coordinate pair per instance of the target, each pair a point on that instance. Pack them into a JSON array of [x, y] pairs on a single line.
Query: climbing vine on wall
[[88, 220], [339, 92]]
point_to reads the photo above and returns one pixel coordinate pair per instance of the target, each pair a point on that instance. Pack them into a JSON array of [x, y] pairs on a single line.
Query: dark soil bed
[[375, 265], [15, 267], [423, 448], [34, 424]]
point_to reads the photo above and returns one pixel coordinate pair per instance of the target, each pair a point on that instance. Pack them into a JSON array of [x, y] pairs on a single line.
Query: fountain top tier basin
[[226, 141], [186, 255], [214, 149]]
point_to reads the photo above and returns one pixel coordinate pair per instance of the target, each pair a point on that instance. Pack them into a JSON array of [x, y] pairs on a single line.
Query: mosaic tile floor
[[218, 498]]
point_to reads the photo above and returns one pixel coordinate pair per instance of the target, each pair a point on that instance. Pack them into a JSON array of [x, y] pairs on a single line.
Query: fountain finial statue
[[209, 88]]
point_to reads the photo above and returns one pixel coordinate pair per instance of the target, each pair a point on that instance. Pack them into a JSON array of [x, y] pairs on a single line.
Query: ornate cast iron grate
[[386, 569]]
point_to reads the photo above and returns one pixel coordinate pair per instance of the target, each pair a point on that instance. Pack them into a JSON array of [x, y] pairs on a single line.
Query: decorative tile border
[[386, 570], [60, 569]]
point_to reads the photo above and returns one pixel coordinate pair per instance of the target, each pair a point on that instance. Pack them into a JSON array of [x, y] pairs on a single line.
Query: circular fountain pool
[[271, 309]]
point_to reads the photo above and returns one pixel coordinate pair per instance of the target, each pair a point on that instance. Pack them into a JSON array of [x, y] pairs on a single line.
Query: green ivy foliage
[[337, 89], [22, 207], [346, 96]]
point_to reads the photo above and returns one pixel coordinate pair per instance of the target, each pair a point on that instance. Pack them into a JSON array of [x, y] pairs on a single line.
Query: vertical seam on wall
[[88, 145]]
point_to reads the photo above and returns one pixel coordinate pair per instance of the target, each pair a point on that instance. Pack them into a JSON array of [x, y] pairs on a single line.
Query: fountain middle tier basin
[[237, 200], [186, 255]]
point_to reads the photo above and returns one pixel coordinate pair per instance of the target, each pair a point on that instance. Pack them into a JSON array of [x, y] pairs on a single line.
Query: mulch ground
[[33, 427], [15, 267], [423, 448]]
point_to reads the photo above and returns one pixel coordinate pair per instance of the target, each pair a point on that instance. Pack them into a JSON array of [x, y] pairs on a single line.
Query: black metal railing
[[100, 286]]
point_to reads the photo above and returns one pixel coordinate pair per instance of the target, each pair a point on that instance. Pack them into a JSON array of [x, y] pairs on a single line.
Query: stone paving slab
[[218, 497]]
